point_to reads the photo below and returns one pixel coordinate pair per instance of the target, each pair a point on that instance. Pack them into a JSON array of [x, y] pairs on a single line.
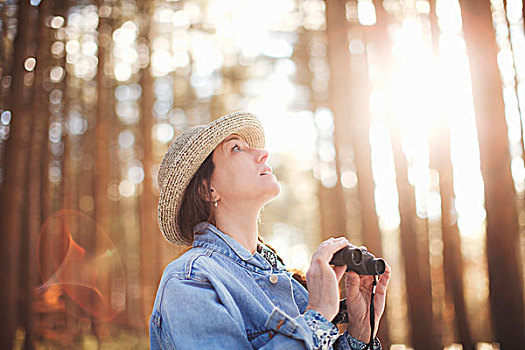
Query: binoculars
[[359, 260]]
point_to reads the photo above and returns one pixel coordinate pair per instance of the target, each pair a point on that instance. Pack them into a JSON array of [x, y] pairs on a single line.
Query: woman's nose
[[263, 155]]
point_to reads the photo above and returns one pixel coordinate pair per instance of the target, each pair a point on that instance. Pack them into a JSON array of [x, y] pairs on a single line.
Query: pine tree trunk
[[350, 91], [504, 264], [14, 186], [34, 176], [334, 209], [149, 230], [100, 177], [416, 261], [452, 256]]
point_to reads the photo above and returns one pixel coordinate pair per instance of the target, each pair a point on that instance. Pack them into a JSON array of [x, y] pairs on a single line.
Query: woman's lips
[[267, 170]]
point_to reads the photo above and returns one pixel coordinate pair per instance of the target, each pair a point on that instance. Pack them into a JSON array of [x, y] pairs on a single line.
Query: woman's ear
[[208, 196], [215, 195]]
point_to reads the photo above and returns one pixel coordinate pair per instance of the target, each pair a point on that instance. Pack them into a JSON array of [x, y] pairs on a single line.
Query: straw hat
[[186, 154]]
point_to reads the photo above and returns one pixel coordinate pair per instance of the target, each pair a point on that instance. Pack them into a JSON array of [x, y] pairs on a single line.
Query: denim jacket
[[218, 295]]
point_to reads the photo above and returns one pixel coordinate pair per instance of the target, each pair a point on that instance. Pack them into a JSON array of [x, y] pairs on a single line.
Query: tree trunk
[[452, 256], [349, 94], [13, 189], [150, 235], [506, 294], [101, 177], [334, 209], [34, 176], [416, 261]]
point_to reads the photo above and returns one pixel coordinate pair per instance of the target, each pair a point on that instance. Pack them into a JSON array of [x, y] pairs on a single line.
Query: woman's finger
[[384, 279], [337, 244], [326, 249]]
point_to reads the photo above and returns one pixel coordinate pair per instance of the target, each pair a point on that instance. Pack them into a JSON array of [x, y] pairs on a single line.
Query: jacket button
[[274, 279]]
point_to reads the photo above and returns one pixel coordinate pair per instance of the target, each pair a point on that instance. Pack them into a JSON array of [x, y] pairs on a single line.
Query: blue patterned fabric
[[348, 342], [325, 333]]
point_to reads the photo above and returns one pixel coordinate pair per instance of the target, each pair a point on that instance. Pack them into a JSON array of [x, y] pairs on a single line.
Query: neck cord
[[372, 315]]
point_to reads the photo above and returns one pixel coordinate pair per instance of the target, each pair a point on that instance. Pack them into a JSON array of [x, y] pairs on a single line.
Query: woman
[[230, 291]]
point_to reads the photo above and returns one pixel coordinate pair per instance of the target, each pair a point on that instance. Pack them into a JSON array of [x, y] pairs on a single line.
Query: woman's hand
[[358, 292], [323, 280]]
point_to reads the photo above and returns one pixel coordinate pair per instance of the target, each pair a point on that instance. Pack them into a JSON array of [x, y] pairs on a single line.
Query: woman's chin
[[272, 190], [276, 189]]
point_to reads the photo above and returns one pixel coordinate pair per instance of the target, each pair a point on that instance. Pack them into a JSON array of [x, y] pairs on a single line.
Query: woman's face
[[238, 173]]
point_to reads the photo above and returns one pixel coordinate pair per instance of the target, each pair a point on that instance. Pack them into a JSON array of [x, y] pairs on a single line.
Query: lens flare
[[76, 261]]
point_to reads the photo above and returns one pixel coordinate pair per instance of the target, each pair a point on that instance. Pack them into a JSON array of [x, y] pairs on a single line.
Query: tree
[[350, 93], [34, 178], [150, 249], [16, 167], [452, 256], [333, 208], [502, 241]]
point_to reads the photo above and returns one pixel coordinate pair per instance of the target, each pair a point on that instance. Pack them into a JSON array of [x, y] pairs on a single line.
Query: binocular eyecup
[[359, 260]]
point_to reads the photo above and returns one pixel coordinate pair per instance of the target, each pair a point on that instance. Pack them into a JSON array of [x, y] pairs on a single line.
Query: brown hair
[[196, 203]]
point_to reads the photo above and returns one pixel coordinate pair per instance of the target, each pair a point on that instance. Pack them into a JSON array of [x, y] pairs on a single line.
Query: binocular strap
[[372, 314]]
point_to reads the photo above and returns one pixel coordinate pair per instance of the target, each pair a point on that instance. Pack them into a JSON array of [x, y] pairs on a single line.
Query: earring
[[215, 203]]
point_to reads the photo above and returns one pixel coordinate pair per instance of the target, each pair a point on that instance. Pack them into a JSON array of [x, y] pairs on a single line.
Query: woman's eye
[[236, 146]]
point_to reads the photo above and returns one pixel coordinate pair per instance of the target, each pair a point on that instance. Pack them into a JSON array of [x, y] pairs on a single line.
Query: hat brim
[[187, 161]]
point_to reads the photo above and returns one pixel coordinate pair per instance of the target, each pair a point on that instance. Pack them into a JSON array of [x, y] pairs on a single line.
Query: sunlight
[[366, 12], [417, 84]]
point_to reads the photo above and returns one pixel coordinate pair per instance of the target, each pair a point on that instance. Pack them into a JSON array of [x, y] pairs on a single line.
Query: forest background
[[398, 123]]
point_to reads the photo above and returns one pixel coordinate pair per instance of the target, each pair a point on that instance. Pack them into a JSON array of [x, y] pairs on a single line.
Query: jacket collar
[[208, 236]]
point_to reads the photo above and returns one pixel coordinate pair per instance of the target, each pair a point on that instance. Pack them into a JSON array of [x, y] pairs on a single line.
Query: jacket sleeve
[[325, 334], [191, 316], [347, 342]]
